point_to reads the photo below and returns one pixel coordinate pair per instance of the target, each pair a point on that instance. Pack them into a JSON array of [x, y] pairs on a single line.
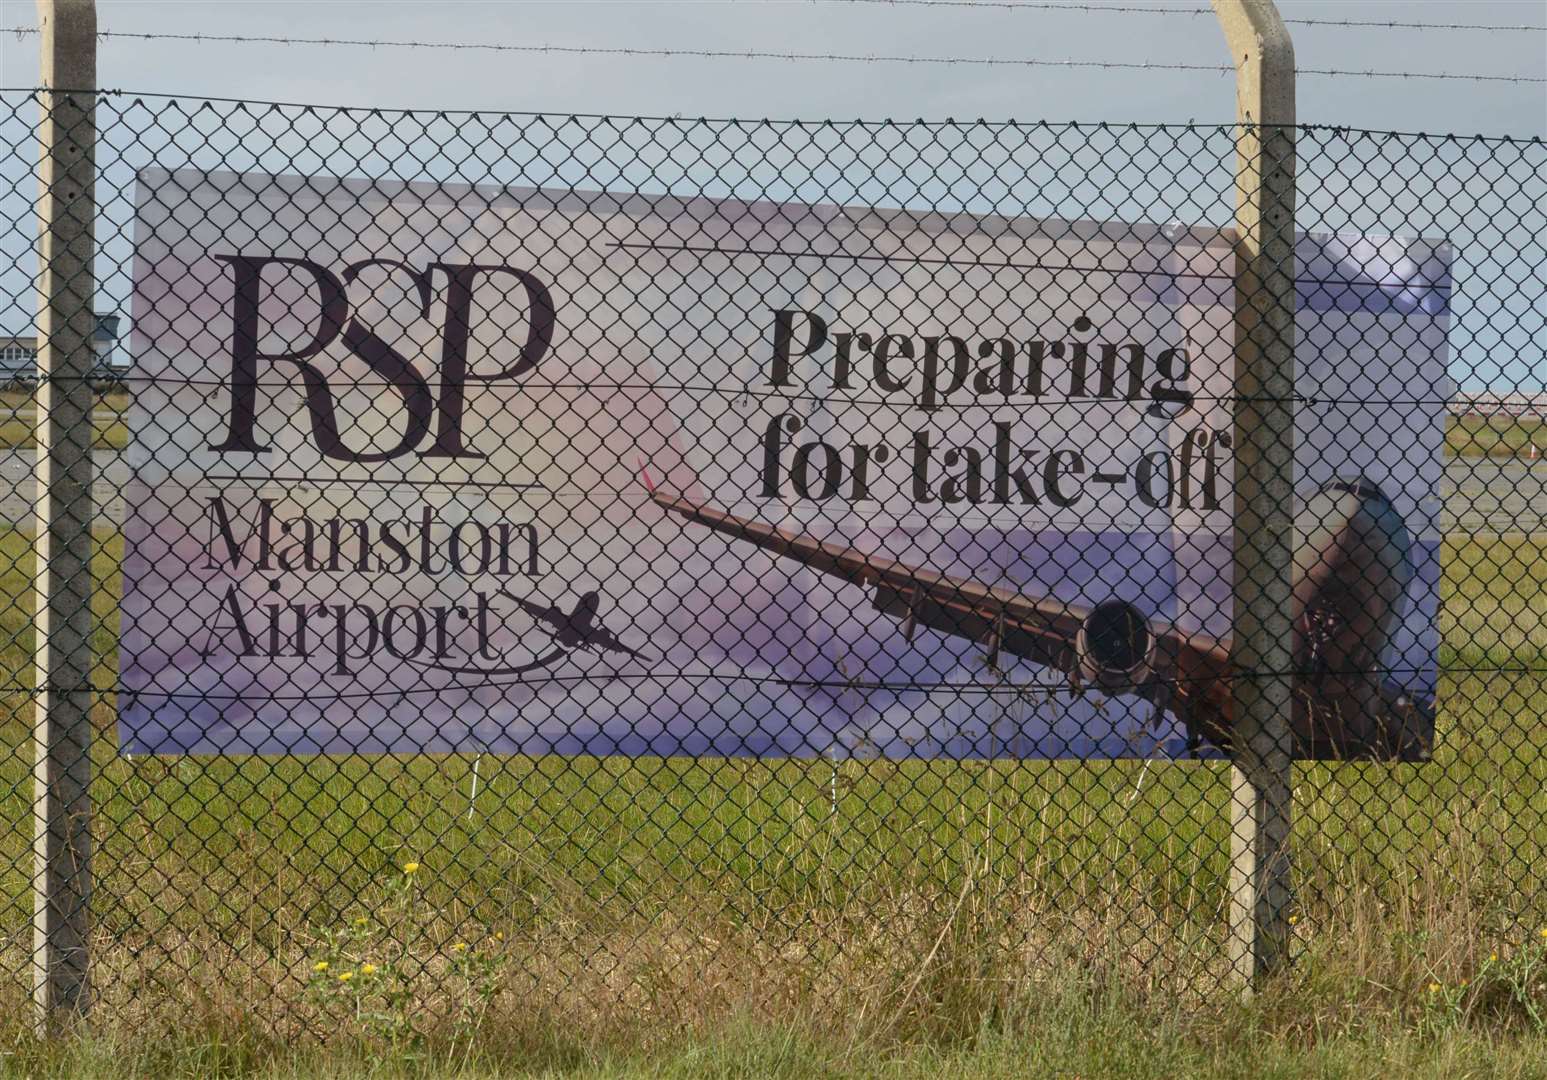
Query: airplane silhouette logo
[[577, 629]]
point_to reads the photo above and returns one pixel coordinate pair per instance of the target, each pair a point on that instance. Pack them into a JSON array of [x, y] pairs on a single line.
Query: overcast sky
[[757, 88]]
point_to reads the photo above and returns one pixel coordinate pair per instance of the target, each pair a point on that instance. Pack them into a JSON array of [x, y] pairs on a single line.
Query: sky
[[1500, 296], [759, 88]]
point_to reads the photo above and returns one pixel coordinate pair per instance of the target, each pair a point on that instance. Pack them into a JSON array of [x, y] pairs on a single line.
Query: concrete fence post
[[1264, 485], [62, 542]]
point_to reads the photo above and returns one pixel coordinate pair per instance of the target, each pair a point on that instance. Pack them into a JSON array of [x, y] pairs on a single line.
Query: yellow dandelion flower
[[320, 965], [1544, 933], [410, 868], [367, 969], [1493, 958], [1293, 919], [459, 947], [1434, 988], [499, 935], [345, 976]]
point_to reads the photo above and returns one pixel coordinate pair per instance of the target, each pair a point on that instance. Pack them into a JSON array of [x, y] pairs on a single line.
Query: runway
[[1482, 495], [1488, 495]]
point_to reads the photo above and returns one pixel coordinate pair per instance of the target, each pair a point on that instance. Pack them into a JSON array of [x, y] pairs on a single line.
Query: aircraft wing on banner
[[1110, 646]]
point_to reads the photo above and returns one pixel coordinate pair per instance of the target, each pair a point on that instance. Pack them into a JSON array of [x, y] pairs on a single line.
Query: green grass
[[1493, 602], [1065, 1030], [1469, 436], [879, 918], [1475, 435], [116, 400], [18, 416], [17, 432], [640, 829]]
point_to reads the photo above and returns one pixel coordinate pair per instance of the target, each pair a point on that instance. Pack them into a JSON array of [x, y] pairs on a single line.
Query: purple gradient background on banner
[[738, 652]]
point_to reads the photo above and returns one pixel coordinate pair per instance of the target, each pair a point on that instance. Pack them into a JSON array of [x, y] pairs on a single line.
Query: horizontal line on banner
[[349, 481], [710, 249], [1006, 265], [1060, 686], [135, 380]]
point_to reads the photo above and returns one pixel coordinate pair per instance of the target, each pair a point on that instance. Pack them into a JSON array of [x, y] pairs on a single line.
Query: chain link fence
[[612, 563]]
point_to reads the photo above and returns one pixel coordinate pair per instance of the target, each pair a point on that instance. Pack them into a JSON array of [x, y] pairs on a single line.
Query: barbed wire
[[1132, 9], [763, 54]]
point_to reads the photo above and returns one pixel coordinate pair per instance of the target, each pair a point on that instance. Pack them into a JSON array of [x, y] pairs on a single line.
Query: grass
[[733, 917], [15, 399], [1475, 435], [17, 432], [1067, 1029], [1468, 436], [1493, 602], [18, 416]]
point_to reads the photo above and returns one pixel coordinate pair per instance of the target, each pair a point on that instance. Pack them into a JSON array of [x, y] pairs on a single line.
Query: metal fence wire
[[598, 562]]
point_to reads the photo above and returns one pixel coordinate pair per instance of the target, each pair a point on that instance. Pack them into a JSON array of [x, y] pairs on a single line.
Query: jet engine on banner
[[1115, 647]]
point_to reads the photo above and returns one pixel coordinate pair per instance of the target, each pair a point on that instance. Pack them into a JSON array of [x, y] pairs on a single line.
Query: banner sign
[[440, 468]]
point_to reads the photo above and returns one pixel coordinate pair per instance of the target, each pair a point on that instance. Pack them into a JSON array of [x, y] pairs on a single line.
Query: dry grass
[[678, 917], [882, 983]]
